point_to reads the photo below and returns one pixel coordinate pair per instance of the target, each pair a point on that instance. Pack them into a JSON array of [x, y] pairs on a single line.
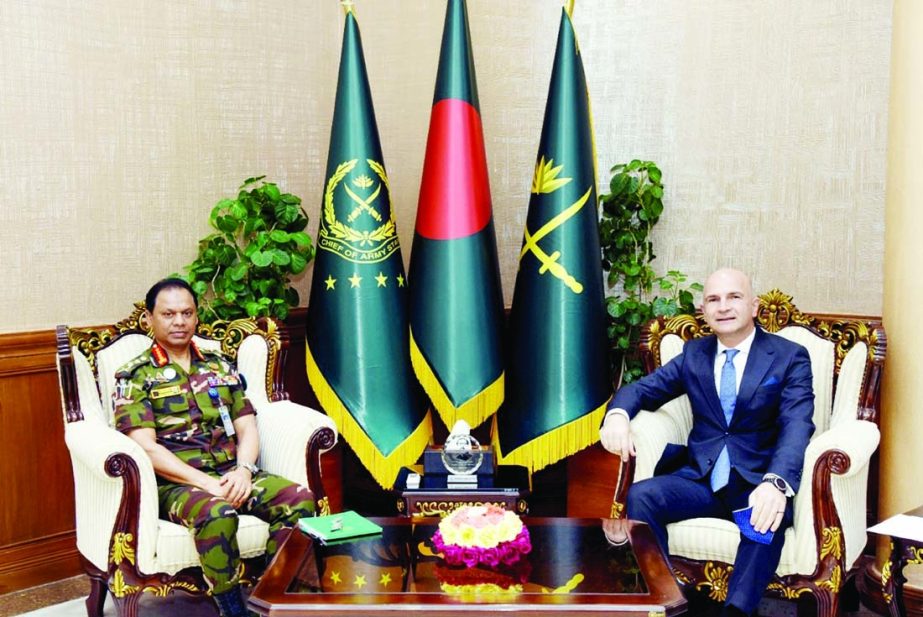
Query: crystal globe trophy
[[462, 455]]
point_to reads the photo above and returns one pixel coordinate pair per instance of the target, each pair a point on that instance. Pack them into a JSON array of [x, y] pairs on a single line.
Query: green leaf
[[299, 263], [619, 183], [272, 191], [301, 239], [277, 235], [655, 174], [227, 224], [250, 181], [238, 211], [253, 309], [261, 259], [291, 199], [237, 271], [280, 258]]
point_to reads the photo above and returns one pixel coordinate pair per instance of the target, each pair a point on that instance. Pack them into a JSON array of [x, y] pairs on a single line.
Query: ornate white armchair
[[124, 545], [828, 535]]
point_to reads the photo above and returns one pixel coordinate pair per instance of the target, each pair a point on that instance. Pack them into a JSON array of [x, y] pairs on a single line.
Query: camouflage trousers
[[274, 499]]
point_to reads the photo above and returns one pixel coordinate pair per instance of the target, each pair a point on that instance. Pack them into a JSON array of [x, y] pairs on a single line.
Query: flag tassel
[[555, 445], [474, 411], [384, 469]]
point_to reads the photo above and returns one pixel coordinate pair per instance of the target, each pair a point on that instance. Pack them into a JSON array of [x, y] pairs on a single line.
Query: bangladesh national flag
[[557, 377], [358, 356], [456, 302]]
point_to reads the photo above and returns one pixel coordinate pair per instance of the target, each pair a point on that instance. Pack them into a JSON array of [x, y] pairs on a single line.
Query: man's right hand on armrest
[[615, 434]]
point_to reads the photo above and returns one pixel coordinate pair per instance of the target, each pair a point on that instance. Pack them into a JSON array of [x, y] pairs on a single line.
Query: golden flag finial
[[348, 6], [569, 7]]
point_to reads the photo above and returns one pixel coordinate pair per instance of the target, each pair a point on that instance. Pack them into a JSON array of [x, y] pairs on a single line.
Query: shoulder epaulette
[[128, 369]]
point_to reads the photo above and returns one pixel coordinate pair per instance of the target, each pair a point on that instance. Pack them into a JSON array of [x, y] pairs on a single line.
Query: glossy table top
[[571, 568]]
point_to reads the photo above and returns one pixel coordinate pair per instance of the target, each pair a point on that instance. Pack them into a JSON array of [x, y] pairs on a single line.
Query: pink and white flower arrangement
[[485, 534]]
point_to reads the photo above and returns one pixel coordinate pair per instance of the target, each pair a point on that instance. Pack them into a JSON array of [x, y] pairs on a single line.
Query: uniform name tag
[[165, 391]]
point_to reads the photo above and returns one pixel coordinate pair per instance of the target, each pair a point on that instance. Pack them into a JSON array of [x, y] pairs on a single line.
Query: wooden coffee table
[[572, 569]]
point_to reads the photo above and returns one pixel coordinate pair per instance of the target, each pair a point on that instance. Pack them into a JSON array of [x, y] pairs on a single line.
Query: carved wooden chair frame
[[776, 311], [123, 578]]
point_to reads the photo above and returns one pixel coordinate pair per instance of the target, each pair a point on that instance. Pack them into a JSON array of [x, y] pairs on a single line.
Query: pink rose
[[490, 557], [453, 554], [509, 555], [469, 556]]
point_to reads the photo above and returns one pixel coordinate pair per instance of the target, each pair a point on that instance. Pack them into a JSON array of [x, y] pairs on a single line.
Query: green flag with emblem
[[557, 374], [358, 356]]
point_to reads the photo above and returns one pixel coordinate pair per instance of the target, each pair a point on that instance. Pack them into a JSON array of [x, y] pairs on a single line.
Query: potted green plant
[[629, 212], [245, 267]]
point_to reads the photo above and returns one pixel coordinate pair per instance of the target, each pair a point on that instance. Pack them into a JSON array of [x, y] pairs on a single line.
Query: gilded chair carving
[[828, 535], [125, 547]]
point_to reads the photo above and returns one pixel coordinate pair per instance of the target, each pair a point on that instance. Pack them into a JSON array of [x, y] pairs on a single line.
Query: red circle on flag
[[455, 190]]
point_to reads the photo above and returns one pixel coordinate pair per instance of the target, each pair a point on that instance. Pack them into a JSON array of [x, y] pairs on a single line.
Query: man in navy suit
[[752, 402]]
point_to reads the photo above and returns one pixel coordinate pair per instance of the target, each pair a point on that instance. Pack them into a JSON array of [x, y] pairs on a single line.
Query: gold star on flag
[[400, 280], [331, 282], [381, 278], [354, 280], [335, 578], [360, 581], [384, 580]]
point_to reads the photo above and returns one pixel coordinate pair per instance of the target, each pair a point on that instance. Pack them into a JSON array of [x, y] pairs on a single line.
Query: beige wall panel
[[122, 123]]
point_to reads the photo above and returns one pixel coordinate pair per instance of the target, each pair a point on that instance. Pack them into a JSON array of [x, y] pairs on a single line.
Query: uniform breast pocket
[[173, 413]]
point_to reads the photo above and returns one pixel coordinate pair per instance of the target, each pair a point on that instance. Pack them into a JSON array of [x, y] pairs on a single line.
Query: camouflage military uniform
[[184, 410]]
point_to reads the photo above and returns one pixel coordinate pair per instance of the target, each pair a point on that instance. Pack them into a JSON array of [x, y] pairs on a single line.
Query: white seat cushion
[[176, 547]]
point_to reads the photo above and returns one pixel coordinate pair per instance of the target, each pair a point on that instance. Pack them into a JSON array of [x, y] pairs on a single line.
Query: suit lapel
[[758, 362], [705, 372]]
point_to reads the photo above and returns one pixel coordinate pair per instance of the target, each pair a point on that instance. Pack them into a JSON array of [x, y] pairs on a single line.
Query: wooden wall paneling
[[37, 542], [591, 477]]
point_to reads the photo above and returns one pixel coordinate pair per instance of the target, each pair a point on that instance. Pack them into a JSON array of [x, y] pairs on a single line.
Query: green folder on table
[[337, 527]]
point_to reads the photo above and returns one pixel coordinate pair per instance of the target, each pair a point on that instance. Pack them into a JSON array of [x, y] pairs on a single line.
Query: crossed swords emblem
[[363, 205], [546, 181]]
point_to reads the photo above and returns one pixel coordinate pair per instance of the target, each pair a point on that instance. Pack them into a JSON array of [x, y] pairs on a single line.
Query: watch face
[[779, 483]]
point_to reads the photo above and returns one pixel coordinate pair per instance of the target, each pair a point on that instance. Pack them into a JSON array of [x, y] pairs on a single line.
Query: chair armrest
[[115, 491], [292, 438], [651, 431], [836, 464]]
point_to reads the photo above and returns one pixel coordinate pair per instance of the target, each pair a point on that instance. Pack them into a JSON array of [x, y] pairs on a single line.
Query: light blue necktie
[[728, 396]]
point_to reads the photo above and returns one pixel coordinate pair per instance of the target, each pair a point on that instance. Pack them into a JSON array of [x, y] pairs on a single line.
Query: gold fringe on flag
[[383, 468], [554, 445], [474, 411]]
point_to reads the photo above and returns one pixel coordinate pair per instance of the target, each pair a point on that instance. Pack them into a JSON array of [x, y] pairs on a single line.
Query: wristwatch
[[253, 469], [777, 482]]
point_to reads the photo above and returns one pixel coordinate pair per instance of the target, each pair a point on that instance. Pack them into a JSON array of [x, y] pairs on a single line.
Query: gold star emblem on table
[[381, 278], [354, 280], [385, 580], [335, 577], [400, 280], [360, 581], [331, 282]]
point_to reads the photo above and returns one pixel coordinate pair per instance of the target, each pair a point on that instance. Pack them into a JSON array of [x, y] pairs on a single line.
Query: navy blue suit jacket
[[772, 420]]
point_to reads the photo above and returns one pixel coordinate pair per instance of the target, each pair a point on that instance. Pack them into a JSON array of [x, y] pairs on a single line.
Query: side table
[[906, 533]]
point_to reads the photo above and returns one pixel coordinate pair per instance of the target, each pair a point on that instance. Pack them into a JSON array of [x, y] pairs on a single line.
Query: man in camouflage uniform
[[187, 409]]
